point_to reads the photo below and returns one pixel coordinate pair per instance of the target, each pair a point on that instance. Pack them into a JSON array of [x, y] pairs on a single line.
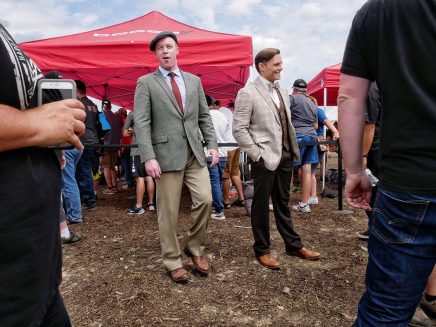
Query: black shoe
[[89, 207], [239, 203], [72, 239], [72, 222]]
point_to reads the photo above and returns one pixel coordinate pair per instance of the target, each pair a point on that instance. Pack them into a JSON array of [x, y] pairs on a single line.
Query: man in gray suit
[[170, 112], [262, 127]]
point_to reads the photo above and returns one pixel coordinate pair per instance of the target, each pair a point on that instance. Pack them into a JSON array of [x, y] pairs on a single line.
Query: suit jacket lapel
[[189, 89], [261, 88], [161, 80]]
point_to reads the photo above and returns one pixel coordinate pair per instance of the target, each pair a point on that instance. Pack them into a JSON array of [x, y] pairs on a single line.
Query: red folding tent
[[110, 60], [325, 85]]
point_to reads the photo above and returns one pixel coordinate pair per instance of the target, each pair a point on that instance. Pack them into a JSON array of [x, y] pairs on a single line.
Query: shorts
[[232, 166], [137, 167], [308, 153], [110, 159]]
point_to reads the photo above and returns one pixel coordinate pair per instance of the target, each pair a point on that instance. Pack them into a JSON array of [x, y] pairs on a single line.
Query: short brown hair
[[265, 55]]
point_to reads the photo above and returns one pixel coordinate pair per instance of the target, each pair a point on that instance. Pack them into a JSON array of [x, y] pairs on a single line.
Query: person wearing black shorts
[[139, 173]]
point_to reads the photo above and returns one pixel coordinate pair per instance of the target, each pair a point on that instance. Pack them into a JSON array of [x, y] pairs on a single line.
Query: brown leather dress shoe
[[179, 275], [200, 262], [304, 253], [268, 261]]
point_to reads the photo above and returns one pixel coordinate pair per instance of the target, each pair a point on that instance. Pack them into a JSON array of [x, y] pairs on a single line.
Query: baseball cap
[[300, 85]]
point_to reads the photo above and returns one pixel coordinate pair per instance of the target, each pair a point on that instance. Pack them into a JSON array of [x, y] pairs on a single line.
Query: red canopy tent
[[325, 85], [110, 60]]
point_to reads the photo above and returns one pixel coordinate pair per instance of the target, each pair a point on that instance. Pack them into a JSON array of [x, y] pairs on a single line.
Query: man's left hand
[[215, 156]]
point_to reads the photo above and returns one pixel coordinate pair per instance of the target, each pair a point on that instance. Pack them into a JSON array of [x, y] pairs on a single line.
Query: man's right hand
[[358, 191], [152, 168], [57, 122]]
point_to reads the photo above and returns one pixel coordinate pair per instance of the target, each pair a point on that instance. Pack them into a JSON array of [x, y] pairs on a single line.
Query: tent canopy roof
[[328, 78], [109, 60]]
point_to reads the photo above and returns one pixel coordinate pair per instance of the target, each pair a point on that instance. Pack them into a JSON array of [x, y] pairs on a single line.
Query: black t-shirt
[[373, 113], [90, 137], [393, 42], [30, 252], [114, 135]]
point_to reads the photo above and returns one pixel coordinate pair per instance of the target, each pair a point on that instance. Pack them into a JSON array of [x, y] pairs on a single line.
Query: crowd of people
[[177, 129]]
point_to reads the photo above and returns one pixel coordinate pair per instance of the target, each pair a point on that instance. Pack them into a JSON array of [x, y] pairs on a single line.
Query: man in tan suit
[[170, 111], [262, 127]]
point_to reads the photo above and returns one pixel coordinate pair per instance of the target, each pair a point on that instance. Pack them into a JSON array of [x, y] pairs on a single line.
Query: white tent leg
[[324, 165]]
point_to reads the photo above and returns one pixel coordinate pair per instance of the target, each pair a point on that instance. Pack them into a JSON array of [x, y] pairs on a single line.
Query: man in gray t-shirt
[[138, 171], [304, 119]]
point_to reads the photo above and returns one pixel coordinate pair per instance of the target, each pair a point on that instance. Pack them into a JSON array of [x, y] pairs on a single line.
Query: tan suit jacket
[[256, 125]]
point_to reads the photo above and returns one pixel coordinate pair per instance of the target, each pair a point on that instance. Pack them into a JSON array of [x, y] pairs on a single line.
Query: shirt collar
[[165, 72], [265, 82]]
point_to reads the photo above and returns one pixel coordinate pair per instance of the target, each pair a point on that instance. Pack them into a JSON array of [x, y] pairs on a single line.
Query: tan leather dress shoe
[[200, 262], [304, 253], [179, 275], [268, 261]]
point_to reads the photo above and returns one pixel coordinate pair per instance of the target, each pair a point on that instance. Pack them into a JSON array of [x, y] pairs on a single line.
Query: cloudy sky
[[310, 34]]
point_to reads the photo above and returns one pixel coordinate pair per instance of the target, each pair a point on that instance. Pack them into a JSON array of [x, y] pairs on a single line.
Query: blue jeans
[[216, 177], [70, 190], [402, 254], [84, 177]]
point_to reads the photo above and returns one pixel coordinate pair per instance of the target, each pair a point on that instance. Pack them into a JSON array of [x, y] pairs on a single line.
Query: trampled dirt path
[[114, 275]]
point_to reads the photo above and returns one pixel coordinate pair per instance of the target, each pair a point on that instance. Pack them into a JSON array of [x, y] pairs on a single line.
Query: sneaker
[[72, 239], [72, 222], [110, 191], [363, 235], [226, 205], [218, 215], [364, 246], [150, 206], [313, 200], [88, 207], [300, 208], [135, 211]]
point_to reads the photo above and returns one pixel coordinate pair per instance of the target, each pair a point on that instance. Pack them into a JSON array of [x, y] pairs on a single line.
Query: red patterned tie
[[176, 91]]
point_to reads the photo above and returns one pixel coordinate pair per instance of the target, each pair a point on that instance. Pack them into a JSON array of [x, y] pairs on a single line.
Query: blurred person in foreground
[[30, 243], [263, 129], [392, 42], [170, 113]]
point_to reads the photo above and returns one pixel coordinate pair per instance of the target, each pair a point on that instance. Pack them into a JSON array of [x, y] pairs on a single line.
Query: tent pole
[[324, 154]]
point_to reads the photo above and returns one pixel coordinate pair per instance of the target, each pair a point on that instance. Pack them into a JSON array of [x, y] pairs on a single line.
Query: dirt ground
[[114, 276]]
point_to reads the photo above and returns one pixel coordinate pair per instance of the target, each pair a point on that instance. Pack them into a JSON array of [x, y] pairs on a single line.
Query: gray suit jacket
[[256, 125], [162, 131]]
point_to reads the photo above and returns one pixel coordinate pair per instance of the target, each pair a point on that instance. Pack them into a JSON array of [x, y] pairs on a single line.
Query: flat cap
[[162, 35]]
